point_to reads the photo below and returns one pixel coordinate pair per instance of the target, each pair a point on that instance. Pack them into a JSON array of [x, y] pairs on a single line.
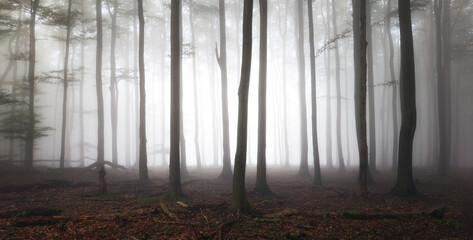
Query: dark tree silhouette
[[143, 160], [29, 141], [315, 144], [175, 189], [372, 123], [98, 82], [405, 183], [240, 203], [261, 184], [113, 81], [65, 84]]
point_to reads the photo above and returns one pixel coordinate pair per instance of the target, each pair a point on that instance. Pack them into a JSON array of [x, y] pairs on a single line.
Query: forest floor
[[64, 204]]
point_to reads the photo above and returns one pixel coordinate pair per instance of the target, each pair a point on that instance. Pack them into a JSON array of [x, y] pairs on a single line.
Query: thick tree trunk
[[372, 123], [341, 162], [184, 172], [29, 141], [65, 84], [222, 62], [113, 82], [304, 165], [175, 189], [240, 203], [313, 93], [98, 82], [405, 183], [143, 160], [261, 184], [359, 30]]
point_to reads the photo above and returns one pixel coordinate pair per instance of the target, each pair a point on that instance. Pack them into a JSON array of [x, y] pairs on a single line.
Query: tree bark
[[65, 84], [240, 203], [81, 90], [175, 189], [405, 183], [113, 82], [394, 85], [315, 144], [359, 33], [222, 62], [304, 165], [372, 123], [98, 82], [29, 141], [261, 184], [143, 160]]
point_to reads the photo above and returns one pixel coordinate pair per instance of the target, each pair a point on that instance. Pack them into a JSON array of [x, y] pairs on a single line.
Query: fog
[[282, 63]]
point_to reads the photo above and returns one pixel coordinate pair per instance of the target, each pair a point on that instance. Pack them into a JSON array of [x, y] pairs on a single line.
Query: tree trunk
[[393, 83], [359, 33], [372, 123], [143, 160], [261, 184], [240, 203], [184, 172], [194, 77], [341, 162], [328, 113], [174, 189], [98, 79], [405, 184], [81, 91], [315, 144], [222, 62], [113, 82], [304, 165], [29, 141], [137, 86], [65, 84]]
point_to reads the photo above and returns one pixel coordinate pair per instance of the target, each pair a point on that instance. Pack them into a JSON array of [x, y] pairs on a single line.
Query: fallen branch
[[113, 165]]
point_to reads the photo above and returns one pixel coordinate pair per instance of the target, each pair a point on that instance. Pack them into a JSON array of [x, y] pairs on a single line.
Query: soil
[[64, 204]]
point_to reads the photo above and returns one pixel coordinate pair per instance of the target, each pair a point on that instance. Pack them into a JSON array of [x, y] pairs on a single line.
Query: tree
[[394, 84], [222, 62], [304, 165], [261, 184], [64, 101], [143, 160], [194, 77], [315, 144], [372, 123], [341, 162], [405, 183], [240, 203], [175, 189], [30, 132], [113, 80], [359, 35], [98, 82]]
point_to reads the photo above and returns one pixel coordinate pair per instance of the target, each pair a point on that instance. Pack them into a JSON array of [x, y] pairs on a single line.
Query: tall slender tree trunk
[[113, 82], [405, 182], [12, 141], [394, 85], [261, 184], [163, 104], [328, 114], [175, 189], [98, 79], [184, 172], [284, 76], [29, 142], [143, 160], [372, 123], [315, 144], [137, 85], [341, 161], [194, 78], [81, 90], [222, 62], [240, 203], [304, 165], [359, 33], [65, 84]]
